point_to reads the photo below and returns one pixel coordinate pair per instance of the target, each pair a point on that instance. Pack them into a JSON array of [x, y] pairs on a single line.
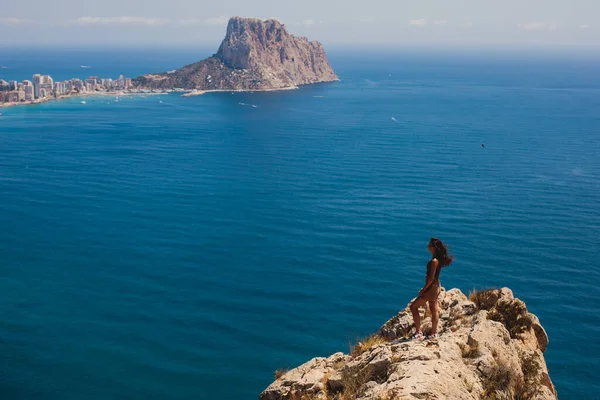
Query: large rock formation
[[490, 347], [255, 55]]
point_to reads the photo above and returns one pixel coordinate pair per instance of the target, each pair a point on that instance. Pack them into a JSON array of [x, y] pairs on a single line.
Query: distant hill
[[255, 55]]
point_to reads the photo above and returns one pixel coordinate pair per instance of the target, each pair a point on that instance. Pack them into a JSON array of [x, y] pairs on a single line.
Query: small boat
[[83, 102], [85, 66]]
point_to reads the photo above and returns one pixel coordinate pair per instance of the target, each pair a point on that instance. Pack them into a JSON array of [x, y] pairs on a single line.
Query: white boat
[[83, 102], [85, 66]]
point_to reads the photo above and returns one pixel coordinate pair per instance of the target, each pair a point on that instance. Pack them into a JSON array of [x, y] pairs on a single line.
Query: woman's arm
[[430, 275]]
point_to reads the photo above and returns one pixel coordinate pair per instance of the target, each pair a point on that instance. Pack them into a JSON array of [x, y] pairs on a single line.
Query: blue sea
[[186, 248]]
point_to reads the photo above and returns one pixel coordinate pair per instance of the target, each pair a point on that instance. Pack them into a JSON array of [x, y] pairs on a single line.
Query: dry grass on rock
[[354, 381], [484, 299], [513, 314], [363, 345], [498, 382], [280, 372], [529, 388], [470, 350]]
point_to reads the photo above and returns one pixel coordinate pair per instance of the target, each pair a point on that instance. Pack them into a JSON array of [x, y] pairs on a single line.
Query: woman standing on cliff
[[430, 292]]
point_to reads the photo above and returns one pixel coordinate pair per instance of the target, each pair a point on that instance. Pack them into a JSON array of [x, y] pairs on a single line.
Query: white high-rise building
[[46, 88], [37, 85], [121, 82], [92, 81], [62, 87], [29, 93], [28, 89], [77, 85]]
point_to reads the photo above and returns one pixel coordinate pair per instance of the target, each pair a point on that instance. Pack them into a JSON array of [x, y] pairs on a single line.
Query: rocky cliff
[[255, 55], [490, 347]]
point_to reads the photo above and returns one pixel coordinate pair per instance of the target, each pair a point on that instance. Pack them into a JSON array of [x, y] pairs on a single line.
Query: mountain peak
[[254, 55]]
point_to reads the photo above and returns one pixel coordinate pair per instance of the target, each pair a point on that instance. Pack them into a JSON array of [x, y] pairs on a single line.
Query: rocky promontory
[[255, 55], [489, 347]]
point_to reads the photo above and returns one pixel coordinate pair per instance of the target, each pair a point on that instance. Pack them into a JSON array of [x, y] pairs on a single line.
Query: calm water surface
[[165, 247]]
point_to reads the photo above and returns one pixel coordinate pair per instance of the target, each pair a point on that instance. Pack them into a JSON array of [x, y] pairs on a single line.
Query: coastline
[[200, 92], [86, 94], [133, 92], [146, 92]]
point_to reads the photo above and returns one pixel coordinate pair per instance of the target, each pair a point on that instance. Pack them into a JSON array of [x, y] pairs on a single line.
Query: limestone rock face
[[489, 348], [255, 55]]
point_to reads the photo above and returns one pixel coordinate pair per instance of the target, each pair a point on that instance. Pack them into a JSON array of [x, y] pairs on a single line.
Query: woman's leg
[[435, 316], [414, 309]]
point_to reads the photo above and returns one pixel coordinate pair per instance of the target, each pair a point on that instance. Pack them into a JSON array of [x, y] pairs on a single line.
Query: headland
[[490, 347], [255, 55]]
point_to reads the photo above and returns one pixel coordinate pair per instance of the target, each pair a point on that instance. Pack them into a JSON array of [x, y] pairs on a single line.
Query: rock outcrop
[[255, 55], [490, 347]]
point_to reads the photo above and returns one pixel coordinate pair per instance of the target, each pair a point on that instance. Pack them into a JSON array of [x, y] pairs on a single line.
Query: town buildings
[[43, 86]]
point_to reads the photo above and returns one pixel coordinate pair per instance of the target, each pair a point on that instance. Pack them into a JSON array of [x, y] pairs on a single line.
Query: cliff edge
[[255, 55], [490, 347]]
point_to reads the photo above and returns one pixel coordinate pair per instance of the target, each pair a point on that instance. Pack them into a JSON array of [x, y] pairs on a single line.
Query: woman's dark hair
[[441, 252]]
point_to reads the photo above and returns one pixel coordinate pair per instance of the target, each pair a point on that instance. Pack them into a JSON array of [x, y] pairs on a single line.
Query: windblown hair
[[441, 252]]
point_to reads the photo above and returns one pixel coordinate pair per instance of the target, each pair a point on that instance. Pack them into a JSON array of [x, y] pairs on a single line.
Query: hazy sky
[[333, 22]]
